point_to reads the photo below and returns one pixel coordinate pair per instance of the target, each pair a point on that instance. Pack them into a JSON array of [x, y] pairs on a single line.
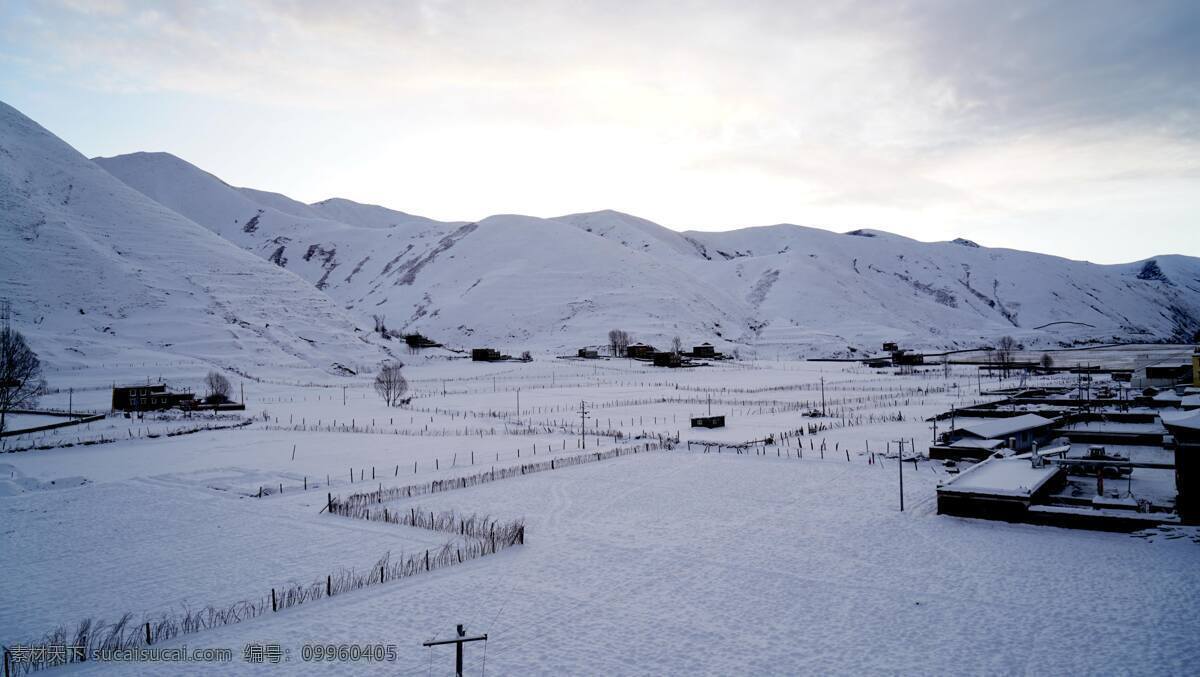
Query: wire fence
[[476, 537]]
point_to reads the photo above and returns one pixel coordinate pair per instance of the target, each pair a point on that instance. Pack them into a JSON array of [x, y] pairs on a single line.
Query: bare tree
[[677, 345], [390, 383], [1047, 361], [618, 341], [1005, 348], [20, 371], [380, 325], [217, 387]]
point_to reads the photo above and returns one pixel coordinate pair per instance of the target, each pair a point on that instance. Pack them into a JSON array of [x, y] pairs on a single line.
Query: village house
[[1185, 429], [1162, 375], [640, 351], [708, 421], [150, 397], [1021, 431], [902, 357], [668, 359]]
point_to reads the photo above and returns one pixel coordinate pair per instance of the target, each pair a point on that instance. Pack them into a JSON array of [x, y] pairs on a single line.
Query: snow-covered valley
[[646, 546]]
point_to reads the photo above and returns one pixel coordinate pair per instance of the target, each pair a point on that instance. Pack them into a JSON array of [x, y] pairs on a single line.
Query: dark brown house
[[640, 351], [704, 350], [486, 355], [150, 397], [708, 421], [667, 360]]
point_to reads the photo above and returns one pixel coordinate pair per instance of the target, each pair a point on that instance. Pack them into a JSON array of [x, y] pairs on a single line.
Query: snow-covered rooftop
[[1182, 419], [1013, 476], [972, 443], [1002, 427]]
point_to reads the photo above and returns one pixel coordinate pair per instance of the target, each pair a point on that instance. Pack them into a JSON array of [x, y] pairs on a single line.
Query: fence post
[[147, 633], [329, 585], [274, 604]]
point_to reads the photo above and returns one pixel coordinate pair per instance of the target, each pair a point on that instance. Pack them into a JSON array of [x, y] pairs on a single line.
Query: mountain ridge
[[95, 270], [513, 279]]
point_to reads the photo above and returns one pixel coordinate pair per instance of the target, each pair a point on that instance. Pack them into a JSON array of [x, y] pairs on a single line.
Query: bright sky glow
[[1068, 127]]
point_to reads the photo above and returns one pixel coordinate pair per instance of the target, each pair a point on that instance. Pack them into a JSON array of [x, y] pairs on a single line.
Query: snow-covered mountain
[[518, 281], [96, 271]]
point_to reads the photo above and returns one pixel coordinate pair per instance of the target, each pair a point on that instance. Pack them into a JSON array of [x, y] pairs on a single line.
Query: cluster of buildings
[[661, 358], [670, 358], [896, 357], [1096, 458], [493, 355]]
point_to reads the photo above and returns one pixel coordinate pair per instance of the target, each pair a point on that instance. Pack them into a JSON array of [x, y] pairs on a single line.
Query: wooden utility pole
[[900, 465], [518, 405], [822, 395], [583, 414], [458, 647]]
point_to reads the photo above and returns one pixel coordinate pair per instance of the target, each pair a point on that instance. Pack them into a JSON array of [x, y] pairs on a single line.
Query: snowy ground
[[669, 562]]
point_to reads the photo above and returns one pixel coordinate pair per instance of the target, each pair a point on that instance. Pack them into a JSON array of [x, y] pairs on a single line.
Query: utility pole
[[710, 404], [70, 400], [343, 396], [458, 646], [900, 465], [518, 405], [583, 413], [822, 395]]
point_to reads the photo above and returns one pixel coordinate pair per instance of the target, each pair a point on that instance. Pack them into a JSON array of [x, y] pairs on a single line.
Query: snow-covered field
[[671, 561]]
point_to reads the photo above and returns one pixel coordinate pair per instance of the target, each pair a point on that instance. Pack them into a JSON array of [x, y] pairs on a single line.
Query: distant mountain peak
[[565, 281]]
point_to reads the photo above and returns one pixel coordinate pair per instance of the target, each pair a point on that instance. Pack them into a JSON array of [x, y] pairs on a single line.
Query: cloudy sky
[[1065, 127]]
